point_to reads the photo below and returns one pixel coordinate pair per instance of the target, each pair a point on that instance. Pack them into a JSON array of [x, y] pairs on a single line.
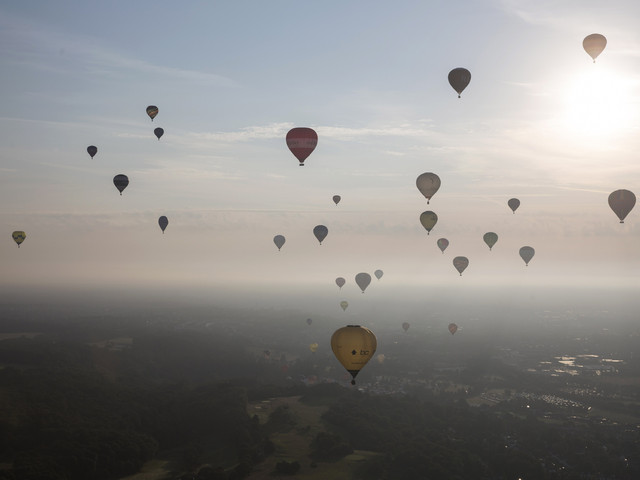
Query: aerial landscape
[[261, 240]]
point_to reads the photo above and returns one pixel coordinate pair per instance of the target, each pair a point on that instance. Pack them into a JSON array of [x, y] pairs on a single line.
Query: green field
[[294, 445]]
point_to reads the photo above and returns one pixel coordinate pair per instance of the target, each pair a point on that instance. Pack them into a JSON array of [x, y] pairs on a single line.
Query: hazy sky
[[539, 121]]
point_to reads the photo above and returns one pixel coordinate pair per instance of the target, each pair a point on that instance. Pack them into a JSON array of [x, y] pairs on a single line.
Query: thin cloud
[[41, 48]]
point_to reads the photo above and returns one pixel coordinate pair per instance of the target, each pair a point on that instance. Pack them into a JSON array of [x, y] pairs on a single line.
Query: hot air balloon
[[405, 326], [344, 304], [353, 346], [19, 237], [380, 358], [302, 141], [490, 239], [461, 263], [340, 282], [428, 184], [163, 222], [320, 231], [363, 280], [513, 203], [459, 78], [313, 347], [428, 220], [336, 199], [279, 241], [92, 150], [443, 243], [622, 202], [378, 274], [309, 321], [121, 181], [527, 253], [453, 328], [159, 132], [267, 354], [152, 111], [594, 45]]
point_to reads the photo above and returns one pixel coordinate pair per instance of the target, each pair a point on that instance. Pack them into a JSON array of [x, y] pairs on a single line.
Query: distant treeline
[[423, 439], [73, 406], [74, 411]]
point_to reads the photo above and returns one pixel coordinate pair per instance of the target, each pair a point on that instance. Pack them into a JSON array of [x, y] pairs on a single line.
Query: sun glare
[[598, 105]]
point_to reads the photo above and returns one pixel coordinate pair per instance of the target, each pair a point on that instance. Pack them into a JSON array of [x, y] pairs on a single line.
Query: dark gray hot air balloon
[[279, 241], [459, 78], [622, 202], [163, 222], [121, 181], [320, 232], [363, 280]]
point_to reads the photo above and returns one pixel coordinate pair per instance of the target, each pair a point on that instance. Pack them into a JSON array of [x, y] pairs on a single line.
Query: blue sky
[[539, 121]]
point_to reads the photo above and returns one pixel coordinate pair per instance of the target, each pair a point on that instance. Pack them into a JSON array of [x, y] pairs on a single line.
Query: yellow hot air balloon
[[18, 237], [428, 220], [344, 304], [353, 346], [313, 347]]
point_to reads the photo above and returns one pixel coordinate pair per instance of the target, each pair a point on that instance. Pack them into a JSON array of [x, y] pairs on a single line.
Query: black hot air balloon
[[121, 181], [163, 222]]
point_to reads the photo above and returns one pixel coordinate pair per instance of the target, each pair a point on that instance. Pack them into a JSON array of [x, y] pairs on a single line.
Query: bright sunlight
[[598, 104]]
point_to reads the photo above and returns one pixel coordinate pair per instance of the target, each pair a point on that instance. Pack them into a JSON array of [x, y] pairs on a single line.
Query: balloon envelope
[[340, 282], [453, 328], [309, 321], [353, 346], [594, 45], [313, 347], [92, 150], [622, 202], [378, 274], [279, 241], [460, 263], [443, 243], [152, 111], [527, 253], [428, 220], [428, 184], [490, 239], [121, 181], [405, 326], [159, 132], [459, 78], [363, 280], [302, 141], [344, 304], [163, 222], [336, 199], [18, 237], [320, 231], [513, 203]]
